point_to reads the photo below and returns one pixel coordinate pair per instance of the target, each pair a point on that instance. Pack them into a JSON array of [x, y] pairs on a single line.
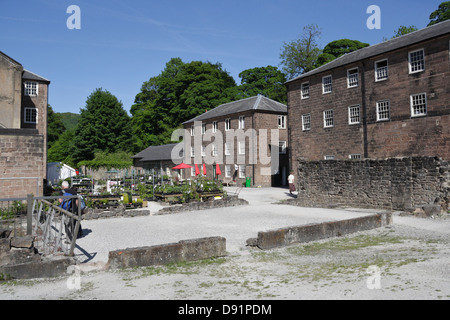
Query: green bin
[[248, 183]]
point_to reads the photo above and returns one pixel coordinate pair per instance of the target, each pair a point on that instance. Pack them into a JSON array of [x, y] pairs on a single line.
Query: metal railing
[[54, 229]]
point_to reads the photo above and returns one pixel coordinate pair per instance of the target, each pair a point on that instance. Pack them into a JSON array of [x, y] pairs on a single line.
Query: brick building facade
[[236, 136], [387, 100], [23, 130], [245, 143]]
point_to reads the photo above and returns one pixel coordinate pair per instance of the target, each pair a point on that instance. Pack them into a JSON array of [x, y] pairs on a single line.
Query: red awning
[[197, 171], [182, 166], [218, 172]]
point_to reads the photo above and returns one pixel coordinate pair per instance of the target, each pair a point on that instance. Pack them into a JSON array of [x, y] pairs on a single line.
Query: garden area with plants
[[135, 191]]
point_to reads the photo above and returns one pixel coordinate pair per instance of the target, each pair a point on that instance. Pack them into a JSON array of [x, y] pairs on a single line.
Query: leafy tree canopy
[[55, 127], [103, 126], [402, 30], [441, 14], [267, 81], [181, 92], [300, 56], [338, 48]]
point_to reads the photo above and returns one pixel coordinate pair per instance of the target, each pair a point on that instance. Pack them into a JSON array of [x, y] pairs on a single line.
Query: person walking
[[291, 180]]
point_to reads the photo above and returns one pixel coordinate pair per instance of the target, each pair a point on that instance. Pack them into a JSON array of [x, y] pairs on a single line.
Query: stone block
[[188, 250]]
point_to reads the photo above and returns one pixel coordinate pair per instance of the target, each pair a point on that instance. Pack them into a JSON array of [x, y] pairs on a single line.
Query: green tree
[[300, 56], [181, 92], [338, 48], [62, 149], [55, 126], [402, 30], [267, 81], [441, 14], [104, 126]]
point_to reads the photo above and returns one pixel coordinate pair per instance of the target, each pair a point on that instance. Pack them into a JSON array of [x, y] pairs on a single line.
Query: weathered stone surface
[[189, 250], [4, 233], [38, 269], [26, 242], [396, 183], [313, 232], [229, 201]]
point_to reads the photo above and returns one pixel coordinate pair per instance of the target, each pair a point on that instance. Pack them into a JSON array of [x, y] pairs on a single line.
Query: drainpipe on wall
[[254, 141], [364, 108]]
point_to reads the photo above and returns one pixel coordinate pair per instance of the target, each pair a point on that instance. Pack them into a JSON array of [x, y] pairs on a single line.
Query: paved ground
[[236, 224], [408, 260]]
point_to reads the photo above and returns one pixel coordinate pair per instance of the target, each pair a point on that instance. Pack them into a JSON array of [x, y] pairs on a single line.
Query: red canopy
[[182, 166], [218, 172], [204, 169], [197, 171]]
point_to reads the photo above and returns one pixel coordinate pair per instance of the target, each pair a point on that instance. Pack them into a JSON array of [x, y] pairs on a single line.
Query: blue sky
[[122, 43]]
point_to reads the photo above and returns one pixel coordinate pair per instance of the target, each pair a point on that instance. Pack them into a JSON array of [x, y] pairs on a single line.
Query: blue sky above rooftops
[[121, 43]]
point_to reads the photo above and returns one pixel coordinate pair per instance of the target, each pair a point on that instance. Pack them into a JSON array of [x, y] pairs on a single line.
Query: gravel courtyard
[[407, 260]]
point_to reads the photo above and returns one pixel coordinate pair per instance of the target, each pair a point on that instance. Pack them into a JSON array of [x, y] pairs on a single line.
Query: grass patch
[[344, 244]]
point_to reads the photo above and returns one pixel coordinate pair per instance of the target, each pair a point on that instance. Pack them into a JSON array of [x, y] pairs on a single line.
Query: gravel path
[[408, 260]]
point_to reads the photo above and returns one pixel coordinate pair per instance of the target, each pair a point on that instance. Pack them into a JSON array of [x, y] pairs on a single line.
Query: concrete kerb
[[314, 232]]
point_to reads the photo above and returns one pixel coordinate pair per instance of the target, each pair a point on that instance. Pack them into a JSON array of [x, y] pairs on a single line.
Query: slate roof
[[28, 75], [156, 153], [257, 103], [427, 33]]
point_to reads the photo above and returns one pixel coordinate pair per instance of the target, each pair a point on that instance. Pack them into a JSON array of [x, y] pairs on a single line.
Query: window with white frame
[[329, 157], [281, 122], [354, 115], [203, 128], [327, 84], [192, 152], [305, 90], [192, 131], [227, 149], [214, 127], [381, 70], [416, 61], [282, 147], [328, 118], [241, 122], [383, 110], [241, 171], [355, 156], [241, 147], [203, 151], [352, 78], [30, 115], [31, 89], [227, 171], [419, 105], [306, 122], [227, 124], [193, 172]]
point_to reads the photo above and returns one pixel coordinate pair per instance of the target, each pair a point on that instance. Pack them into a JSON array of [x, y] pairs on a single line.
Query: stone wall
[[396, 183], [22, 163]]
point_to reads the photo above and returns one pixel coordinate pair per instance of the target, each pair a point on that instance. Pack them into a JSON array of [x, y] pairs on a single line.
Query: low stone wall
[[397, 183], [188, 250], [313, 232], [229, 201], [19, 259], [94, 214]]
